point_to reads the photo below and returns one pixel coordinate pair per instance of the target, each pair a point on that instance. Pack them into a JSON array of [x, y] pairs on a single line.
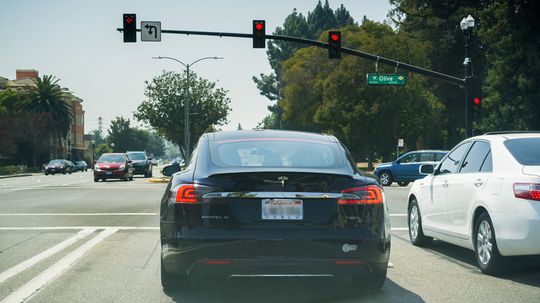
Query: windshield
[[56, 162], [137, 156], [275, 153], [525, 150], [112, 159]]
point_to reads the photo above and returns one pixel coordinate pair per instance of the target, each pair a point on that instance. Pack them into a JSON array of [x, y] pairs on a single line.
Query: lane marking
[[8, 228], [400, 228], [28, 289], [44, 255], [80, 214], [398, 215]]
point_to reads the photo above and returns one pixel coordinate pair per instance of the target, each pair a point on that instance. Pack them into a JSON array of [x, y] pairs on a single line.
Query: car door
[[407, 167], [466, 186], [435, 190]]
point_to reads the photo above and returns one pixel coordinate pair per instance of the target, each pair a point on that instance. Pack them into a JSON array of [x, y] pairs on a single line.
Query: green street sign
[[386, 79]]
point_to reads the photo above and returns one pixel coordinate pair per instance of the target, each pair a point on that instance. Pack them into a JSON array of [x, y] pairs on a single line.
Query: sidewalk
[[15, 175]]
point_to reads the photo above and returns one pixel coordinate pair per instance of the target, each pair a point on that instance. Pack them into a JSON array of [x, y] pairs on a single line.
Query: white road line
[[45, 254], [80, 214], [391, 215], [399, 228], [77, 227], [27, 290]]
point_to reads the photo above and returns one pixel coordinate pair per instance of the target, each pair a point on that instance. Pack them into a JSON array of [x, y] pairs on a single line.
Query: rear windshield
[[525, 150], [112, 159], [275, 153], [56, 162]]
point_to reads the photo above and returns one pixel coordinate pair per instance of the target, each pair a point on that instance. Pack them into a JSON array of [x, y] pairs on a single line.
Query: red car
[[113, 166]]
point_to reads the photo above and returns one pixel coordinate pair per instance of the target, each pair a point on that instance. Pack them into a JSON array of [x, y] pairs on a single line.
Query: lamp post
[[186, 106], [466, 26]]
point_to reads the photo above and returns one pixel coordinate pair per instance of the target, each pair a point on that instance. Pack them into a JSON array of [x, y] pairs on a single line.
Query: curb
[[14, 176], [159, 180]]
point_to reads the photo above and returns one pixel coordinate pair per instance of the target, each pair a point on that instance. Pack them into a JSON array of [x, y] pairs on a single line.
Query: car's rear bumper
[[262, 256], [518, 234]]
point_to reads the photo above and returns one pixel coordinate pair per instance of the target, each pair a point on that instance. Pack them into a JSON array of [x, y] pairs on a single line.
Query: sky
[[77, 42]]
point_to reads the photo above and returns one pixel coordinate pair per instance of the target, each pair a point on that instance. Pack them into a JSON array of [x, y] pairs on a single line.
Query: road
[[64, 238]]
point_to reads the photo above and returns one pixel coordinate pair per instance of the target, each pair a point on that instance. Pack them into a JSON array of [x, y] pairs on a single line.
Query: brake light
[[186, 194], [216, 262], [529, 191], [371, 194]]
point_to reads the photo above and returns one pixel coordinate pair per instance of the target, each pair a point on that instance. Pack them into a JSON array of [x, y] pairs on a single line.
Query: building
[[73, 146]]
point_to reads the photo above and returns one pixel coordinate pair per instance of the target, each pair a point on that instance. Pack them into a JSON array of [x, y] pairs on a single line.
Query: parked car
[[484, 196], [113, 166], [59, 166], [80, 165], [142, 164], [405, 168], [276, 204]]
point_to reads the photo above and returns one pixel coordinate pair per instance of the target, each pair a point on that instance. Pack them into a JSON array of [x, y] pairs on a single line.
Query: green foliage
[[128, 138], [103, 148], [163, 109], [9, 170], [98, 136], [323, 95]]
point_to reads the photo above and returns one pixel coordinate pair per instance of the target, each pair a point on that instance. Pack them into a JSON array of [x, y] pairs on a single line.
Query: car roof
[[114, 154], [503, 136], [428, 151], [269, 134]]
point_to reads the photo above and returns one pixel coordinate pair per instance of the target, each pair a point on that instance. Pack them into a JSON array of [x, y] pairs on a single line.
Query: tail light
[[186, 194], [371, 194], [529, 191]]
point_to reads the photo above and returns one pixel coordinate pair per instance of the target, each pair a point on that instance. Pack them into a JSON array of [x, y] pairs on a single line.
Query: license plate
[[109, 173], [52, 169], [282, 209]]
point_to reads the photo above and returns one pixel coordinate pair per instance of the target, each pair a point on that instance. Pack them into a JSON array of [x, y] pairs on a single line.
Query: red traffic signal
[[477, 101], [334, 45], [130, 27], [259, 35]]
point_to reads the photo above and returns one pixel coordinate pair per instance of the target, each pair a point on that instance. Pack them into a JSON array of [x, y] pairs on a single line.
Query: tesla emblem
[[283, 179]]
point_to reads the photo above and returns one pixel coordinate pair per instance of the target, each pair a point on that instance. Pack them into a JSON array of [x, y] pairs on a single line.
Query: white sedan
[[484, 195]]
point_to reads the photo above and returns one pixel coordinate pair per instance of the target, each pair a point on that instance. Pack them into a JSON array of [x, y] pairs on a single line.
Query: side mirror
[[150, 158], [426, 169], [169, 170], [95, 161], [129, 161]]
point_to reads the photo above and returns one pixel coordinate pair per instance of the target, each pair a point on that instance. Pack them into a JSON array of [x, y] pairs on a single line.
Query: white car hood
[[532, 170]]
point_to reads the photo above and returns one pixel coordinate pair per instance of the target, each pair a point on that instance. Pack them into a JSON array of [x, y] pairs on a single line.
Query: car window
[[112, 158], [275, 153], [409, 158], [424, 157], [136, 156], [475, 158], [487, 166], [438, 156], [524, 150], [450, 164]]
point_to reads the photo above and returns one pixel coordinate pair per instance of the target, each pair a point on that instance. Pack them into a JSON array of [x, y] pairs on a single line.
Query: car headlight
[[122, 167]]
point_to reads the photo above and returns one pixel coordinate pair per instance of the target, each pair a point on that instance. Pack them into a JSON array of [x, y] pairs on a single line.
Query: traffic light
[[334, 45], [477, 108], [130, 27], [259, 36]]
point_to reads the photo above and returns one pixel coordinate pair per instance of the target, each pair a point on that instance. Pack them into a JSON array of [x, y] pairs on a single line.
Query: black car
[[59, 166], [142, 164], [80, 165], [273, 204]]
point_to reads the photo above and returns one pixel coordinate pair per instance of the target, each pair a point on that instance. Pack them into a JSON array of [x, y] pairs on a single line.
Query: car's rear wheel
[[361, 285], [96, 179], [416, 233], [172, 282], [485, 245], [403, 183], [386, 178]]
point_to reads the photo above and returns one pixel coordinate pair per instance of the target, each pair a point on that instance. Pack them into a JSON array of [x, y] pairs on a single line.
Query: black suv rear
[[142, 164]]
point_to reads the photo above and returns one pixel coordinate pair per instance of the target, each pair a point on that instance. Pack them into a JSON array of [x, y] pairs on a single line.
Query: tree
[[103, 148], [98, 136], [325, 96], [239, 127], [163, 108], [321, 19], [120, 135], [47, 97]]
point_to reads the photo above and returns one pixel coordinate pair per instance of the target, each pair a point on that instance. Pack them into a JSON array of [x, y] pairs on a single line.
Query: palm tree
[[47, 97]]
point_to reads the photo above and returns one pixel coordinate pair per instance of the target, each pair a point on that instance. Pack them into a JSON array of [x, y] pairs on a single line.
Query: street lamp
[[466, 26], [186, 107]]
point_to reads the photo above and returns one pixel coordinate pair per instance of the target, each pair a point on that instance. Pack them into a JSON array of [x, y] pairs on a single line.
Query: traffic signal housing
[[334, 45], [477, 108], [259, 34], [130, 27]]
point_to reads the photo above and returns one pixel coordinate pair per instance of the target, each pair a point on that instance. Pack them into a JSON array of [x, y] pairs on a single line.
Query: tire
[[130, 178], [46, 174], [171, 282], [386, 178], [414, 219], [361, 285], [403, 183], [96, 179], [64, 172], [486, 251]]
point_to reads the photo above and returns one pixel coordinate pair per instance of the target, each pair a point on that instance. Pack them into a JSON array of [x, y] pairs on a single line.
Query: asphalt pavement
[[64, 238]]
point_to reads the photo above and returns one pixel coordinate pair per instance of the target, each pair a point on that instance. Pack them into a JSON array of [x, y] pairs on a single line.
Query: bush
[[12, 169]]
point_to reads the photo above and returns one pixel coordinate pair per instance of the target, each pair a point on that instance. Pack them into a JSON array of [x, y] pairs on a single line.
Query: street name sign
[[151, 31], [386, 79]]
